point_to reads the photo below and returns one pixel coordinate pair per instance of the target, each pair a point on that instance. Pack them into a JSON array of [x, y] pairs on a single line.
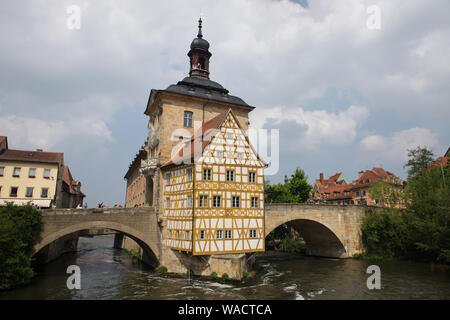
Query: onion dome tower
[[199, 55]]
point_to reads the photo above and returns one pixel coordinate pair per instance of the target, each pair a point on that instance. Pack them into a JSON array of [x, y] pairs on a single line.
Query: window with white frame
[[230, 175], [203, 201], [189, 202], [228, 234], [236, 202], [220, 154], [219, 234], [29, 192], [2, 171], [240, 155], [167, 203], [216, 201], [44, 193], [32, 173], [207, 174], [46, 173], [252, 233], [188, 235], [252, 177], [189, 174], [187, 119], [16, 172], [254, 202]]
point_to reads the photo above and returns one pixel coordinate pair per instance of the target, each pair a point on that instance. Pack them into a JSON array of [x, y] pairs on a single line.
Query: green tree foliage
[[296, 190], [387, 194], [20, 228], [420, 232], [419, 159]]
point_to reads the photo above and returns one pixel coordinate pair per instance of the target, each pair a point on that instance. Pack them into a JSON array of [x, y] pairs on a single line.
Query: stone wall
[[326, 225]]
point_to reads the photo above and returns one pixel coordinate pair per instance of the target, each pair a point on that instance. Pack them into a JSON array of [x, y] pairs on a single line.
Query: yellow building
[[213, 202], [136, 192], [214, 192], [37, 177]]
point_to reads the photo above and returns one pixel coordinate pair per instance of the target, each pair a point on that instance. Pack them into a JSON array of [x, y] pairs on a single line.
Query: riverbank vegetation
[[20, 227], [419, 231], [294, 190]]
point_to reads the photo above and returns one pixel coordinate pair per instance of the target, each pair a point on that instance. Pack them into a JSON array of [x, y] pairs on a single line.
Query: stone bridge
[[61, 228], [330, 231]]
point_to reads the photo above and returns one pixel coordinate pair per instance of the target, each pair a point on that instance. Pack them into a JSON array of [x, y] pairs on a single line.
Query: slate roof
[[201, 87]]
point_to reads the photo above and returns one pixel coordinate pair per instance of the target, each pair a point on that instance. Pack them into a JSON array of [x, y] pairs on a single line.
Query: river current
[[108, 273]]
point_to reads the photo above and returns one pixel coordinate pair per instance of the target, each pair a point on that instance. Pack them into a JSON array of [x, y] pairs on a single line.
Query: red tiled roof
[[202, 137], [330, 181], [339, 189], [441, 161], [4, 139], [374, 175], [32, 156]]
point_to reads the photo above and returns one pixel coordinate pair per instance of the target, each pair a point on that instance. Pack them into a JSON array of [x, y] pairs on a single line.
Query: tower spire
[[199, 35], [199, 55]]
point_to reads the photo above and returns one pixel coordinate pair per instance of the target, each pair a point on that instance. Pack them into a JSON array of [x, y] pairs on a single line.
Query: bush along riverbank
[[20, 228], [419, 232]]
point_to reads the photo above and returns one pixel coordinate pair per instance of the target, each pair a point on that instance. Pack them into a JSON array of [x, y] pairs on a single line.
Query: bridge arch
[[320, 240], [328, 230], [150, 250]]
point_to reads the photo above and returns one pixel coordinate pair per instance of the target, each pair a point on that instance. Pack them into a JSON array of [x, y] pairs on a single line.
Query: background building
[[136, 191], [36, 176], [337, 190]]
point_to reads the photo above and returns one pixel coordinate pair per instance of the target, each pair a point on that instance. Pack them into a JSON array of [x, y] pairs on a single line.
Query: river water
[[108, 273]]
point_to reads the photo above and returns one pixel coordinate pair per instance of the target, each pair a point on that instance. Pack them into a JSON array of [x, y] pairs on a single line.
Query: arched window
[[201, 62], [187, 119]]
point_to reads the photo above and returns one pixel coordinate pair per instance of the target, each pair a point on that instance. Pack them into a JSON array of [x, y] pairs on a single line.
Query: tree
[[387, 194], [20, 228], [421, 232], [298, 186], [296, 190], [419, 159]]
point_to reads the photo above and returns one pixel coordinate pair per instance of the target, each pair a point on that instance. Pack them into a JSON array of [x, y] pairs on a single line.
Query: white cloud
[[319, 126], [394, 147], [32, 133], [271, 53]]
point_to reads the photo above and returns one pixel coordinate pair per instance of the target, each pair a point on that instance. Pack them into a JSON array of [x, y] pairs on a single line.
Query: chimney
[[360, 174], [321, 177]]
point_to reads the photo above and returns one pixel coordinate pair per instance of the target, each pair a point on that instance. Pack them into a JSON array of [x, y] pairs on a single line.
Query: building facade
[[337, 190], [214, 199], [136, 182], [38, 177], [202, 211]]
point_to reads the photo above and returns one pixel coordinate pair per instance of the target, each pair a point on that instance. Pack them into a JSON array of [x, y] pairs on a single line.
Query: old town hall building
[[198, 168]]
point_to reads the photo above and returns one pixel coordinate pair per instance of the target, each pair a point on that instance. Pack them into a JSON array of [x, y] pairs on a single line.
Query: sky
[[345, 96]]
